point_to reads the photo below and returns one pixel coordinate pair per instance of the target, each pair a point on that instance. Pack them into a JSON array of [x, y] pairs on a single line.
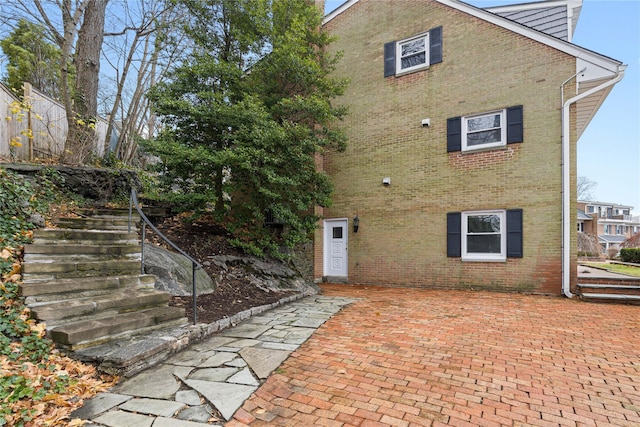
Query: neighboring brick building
[[454, 163], [611, 223]]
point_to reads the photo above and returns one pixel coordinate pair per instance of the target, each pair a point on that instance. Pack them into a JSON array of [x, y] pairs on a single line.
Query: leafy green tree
[[32, 58], [294, 85], [199, 104], [246, 115]]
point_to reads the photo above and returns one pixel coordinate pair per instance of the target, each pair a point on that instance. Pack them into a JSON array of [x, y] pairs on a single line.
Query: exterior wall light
[[356, 223]]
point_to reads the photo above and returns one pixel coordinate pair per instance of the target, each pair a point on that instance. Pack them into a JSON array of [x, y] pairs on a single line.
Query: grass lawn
[[616, 268]]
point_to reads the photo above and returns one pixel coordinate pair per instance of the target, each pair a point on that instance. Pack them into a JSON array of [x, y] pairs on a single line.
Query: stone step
[[59, 270], [149, 211], [623, 288], [611, 297], [103, 223], [89, 332], [125, 300], [106, 212], [70, 249], [96, 237], [48, 290], [80, 257], [606, 292]]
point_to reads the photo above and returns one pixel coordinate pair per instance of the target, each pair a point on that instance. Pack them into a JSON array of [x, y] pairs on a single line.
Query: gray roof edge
[[564, 46]]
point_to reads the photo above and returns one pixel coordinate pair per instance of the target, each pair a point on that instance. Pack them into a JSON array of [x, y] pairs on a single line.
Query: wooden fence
[[36, 128]]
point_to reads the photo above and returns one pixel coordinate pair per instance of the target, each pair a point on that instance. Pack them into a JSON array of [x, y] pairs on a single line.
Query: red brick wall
[[402, 237]]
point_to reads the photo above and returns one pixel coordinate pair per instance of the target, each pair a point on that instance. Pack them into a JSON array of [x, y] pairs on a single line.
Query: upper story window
[[619, 229], [591, 209], [414, 53], [485, 130]]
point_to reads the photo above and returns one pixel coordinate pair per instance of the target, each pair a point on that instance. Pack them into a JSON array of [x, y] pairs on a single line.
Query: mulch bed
[[233, 294]]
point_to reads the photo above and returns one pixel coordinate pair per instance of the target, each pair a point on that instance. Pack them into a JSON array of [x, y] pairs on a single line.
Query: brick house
[[611, 223], [461, 164]]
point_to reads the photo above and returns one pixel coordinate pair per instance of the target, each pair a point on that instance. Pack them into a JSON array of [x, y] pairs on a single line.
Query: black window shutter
[[389, 59], [454, 234], [515, 124], [435, 45], [514, 233], [454, 134]]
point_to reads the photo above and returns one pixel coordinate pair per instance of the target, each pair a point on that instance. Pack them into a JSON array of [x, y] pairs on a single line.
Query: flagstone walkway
[[215, 376]]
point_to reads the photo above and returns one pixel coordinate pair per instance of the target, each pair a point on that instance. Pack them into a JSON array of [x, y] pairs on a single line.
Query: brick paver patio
[[408, 357]]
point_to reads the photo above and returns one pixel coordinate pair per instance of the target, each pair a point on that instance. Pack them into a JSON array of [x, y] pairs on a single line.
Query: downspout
[[566, 172]]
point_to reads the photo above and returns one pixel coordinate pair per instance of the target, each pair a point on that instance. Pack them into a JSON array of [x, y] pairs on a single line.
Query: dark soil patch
[[234, 294]]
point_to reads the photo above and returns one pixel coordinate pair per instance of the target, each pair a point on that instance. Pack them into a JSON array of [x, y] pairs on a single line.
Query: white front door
[[335, 247]]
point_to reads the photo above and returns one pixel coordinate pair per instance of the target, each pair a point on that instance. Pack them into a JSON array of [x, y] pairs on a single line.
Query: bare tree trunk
[[70, 20], [81, 135], [121, 82]]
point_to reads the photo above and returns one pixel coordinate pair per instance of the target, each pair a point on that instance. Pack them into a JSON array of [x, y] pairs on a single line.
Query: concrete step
[[611, 297], [68, 269], [610, 288], [106, 212], [149, 211], [121, 301], [102, 223], [80, 257], [609, 292], [95, 237], [70, 249], [89, 332], [48, 290], [84, 281]]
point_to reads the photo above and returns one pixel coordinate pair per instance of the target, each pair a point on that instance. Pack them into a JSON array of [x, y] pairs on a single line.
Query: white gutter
[[566, 175]]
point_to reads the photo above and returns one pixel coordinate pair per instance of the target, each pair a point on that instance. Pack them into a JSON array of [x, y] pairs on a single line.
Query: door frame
[[327, 227]]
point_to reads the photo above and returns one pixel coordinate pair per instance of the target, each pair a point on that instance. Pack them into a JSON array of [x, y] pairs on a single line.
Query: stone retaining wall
[[99, 184]]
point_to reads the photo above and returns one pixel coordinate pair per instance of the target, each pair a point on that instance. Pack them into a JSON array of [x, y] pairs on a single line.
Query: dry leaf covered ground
[[38, 385]]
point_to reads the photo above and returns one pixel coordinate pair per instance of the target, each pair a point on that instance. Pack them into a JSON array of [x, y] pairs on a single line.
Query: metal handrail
[[133, 202]]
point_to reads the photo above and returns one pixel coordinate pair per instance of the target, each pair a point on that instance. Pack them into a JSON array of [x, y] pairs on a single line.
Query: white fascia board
[[346, 5], [535, 5], [587, 55]]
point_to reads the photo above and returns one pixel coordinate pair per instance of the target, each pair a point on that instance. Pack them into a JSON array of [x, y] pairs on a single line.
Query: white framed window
[[619, 229], [481, 131], [484, 236], [412, 54]]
